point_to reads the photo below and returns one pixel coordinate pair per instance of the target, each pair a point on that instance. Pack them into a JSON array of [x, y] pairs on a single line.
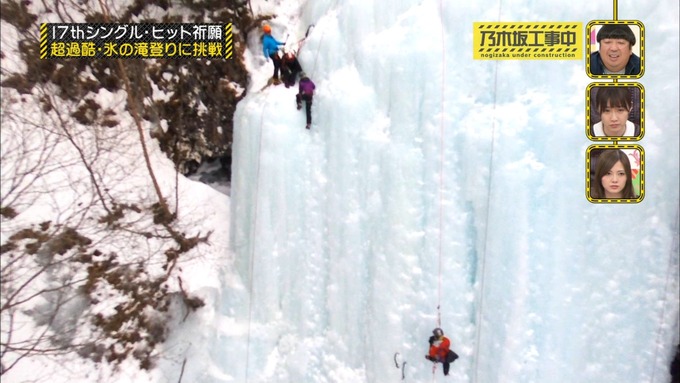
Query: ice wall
[[430, 179]]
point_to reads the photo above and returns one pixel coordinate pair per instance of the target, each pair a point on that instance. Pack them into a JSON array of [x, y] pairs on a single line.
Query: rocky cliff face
[[188, 102]]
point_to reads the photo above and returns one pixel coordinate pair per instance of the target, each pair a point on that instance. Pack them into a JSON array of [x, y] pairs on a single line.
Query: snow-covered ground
[[428, 180]]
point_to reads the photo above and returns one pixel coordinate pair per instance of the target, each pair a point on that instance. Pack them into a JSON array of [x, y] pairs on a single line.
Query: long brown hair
[[605, 162]]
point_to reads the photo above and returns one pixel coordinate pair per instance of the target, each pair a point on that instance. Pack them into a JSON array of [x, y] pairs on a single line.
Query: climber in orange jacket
[[440, 350]]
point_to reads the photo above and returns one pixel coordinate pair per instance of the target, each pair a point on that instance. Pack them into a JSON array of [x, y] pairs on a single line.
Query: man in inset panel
[[615, 55]]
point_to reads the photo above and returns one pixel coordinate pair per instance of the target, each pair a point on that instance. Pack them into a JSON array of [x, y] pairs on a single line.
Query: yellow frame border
[[642, 111], [526, 52], [642, 49], [228, 41], [641, 174]]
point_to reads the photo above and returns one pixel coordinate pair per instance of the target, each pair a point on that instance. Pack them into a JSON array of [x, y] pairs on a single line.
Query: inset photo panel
[[615, 111], [616, 49], [615, 173]]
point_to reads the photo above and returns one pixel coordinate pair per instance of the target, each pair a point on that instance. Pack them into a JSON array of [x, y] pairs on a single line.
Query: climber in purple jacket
[[306, 93]]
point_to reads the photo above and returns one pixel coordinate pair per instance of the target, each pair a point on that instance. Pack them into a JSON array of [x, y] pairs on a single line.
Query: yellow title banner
[[528, 41], [135, 40]]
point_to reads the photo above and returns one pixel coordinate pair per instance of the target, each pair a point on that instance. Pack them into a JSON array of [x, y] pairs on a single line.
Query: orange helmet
[[267, 28]]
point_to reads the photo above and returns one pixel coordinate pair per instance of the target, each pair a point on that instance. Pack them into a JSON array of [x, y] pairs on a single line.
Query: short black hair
[[616, 31]]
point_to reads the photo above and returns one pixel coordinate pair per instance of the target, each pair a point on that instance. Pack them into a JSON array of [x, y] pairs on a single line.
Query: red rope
[[441, 164]]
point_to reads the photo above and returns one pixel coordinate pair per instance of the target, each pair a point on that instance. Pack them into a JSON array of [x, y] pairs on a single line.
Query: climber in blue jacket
[[270, 48]]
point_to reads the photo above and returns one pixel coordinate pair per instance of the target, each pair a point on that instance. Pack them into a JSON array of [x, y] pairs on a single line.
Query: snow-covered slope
[[432, 190]]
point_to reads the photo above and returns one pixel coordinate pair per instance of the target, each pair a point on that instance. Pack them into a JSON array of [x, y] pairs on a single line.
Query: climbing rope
[[300, 43], [482, 265], [482, 268], [441, 164], [254, 222], [323, 32], [442, 146], [251, 265]]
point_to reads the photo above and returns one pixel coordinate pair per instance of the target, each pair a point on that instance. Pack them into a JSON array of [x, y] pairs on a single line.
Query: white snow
[[428, 179]]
